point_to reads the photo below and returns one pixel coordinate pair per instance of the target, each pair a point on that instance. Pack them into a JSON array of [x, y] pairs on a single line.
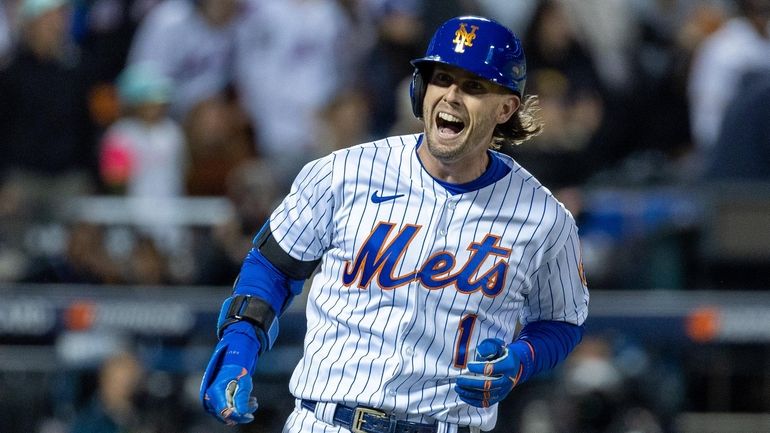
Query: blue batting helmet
[[475, 44]]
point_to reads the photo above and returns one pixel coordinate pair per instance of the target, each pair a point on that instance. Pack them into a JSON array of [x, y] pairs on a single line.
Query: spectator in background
[[561, 71], [292, 58], [220, 137], [88, 258], [741, 45], [144, 153], [609, 33], [192, 42], [85, 260], [45, 137], [147, 265], [668, 34], [400, 38], [112, 409], [104, 30], [344, 120], [742, 149], [252, 191]]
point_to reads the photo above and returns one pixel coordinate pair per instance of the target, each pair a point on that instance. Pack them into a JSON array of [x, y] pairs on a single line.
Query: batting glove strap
[[256, 312], [492, 376], [526, 354]]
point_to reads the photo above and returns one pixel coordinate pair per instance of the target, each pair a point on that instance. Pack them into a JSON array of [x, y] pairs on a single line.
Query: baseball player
[[431, 248]]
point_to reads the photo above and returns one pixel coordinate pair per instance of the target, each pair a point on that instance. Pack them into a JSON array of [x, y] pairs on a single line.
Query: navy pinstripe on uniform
[[369, 341]]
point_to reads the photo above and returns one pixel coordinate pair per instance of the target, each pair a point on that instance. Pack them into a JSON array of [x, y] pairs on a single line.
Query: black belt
[[362, 419]]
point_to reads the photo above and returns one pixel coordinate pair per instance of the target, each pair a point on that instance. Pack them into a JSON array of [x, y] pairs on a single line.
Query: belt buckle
[[358, 417]]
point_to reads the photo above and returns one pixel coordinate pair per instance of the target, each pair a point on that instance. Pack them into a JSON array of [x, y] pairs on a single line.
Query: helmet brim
[[482, 70]]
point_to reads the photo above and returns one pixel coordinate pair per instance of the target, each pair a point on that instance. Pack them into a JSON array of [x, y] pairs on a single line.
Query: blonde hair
[[523, 125]]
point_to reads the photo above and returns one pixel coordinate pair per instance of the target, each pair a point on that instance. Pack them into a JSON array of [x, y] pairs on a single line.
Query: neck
[[458, 171]]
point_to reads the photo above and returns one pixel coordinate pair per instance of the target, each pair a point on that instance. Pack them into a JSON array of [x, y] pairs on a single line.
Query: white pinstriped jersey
[[412, 277]]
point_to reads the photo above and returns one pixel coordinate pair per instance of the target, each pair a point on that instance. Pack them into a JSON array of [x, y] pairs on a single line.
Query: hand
[[496, 371], [226, 387]]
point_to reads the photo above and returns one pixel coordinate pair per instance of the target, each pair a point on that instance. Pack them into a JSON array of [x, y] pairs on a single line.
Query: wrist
[[526, 354], [242, 345]]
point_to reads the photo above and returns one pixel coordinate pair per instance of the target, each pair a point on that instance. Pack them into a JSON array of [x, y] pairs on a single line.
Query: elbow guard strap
[[288, 265], [253, 310]]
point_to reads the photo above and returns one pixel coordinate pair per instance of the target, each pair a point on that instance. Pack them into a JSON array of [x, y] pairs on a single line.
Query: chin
[[445, 150]]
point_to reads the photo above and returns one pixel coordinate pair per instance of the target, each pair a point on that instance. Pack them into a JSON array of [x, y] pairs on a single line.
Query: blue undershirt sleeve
[[260, 278], [543, 344]]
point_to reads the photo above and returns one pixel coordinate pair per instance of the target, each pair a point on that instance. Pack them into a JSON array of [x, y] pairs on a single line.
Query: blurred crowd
[[174, 99], [167, 99]]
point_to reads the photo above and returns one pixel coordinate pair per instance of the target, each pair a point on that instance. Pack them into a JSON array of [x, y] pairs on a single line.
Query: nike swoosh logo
[[381, 198]]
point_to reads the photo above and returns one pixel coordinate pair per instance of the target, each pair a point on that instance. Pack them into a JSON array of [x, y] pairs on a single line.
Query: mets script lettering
[[380, 259], [463, 38]]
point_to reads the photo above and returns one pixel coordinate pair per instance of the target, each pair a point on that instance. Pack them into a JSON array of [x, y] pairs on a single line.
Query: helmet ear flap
[[417, 92]]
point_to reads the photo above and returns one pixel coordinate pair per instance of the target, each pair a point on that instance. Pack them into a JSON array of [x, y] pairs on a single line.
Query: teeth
[[448, 117]]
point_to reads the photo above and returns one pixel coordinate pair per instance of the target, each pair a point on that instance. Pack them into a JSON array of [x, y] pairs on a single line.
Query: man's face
[[48, 31], [220, 13], [461, 111]]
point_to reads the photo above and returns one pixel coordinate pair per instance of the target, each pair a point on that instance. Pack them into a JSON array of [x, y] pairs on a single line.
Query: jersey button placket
[[443, 223]]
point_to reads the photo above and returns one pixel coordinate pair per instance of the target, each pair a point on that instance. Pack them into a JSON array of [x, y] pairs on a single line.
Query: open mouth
[[448, 124]]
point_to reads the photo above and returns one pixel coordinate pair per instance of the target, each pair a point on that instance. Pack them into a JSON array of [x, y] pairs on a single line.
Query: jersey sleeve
[[302, 223], [559, 289]]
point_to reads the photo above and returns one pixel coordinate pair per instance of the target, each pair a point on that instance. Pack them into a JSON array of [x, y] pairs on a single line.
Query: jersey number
[[464, 331]]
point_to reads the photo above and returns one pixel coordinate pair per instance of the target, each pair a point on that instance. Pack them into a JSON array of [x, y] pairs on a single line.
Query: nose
[[452, 93]]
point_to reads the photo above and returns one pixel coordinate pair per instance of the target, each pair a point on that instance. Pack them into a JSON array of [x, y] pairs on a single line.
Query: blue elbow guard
[[256, 312]]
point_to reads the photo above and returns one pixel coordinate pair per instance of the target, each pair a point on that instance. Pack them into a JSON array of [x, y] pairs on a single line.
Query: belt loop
[[445, 427], [325, 412]]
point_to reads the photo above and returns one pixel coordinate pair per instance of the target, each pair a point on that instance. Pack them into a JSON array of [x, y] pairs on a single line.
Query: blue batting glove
[[494, 374], [226, 386]]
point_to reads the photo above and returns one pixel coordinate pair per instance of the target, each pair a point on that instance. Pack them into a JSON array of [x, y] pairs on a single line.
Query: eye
[[442, 79], [474, 87]]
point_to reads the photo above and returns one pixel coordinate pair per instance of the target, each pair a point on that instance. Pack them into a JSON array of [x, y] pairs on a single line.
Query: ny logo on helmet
[[463, 38]]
